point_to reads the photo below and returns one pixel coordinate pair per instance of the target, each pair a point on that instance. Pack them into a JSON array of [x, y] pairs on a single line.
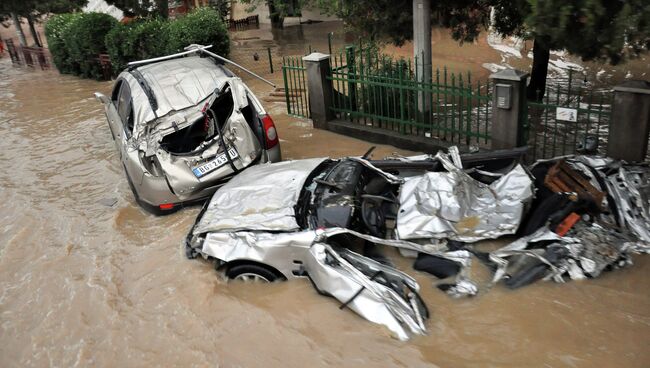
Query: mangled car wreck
[[325, 219], [184, 125]]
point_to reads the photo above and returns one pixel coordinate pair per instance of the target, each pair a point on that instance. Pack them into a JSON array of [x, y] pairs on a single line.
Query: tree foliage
[[55, 27], [593, 29], [201, 26], [84, 41], [137, 40], [146, 38], [39, 7]]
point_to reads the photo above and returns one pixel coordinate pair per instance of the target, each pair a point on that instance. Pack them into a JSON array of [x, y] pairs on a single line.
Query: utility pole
[[422, 53]]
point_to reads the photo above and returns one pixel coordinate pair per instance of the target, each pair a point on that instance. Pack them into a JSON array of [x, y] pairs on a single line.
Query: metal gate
[[377, 91], [571, 118], [295, 86]]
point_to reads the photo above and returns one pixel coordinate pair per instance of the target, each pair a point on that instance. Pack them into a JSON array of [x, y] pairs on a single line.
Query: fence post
[[630, 122], [319, 88], [270, 59], [508, 108], [351, 64]]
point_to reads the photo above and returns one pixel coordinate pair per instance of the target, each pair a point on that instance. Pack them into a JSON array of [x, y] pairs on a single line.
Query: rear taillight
[[166, 206], [270, 133]]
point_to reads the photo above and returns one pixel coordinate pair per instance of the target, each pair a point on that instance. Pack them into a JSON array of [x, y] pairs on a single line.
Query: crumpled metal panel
[[333, 274], [591, 249], [259, 198], [454, 205], [176, 84], [500, 256], [630, 189], [178, 168], [278, 250]]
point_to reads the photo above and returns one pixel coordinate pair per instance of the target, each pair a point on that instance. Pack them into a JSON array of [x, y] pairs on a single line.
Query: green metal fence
[[374, 90], [571, 118], [295, 86]]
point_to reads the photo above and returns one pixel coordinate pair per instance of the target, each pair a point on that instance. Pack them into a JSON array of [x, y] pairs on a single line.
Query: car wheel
[[251, 273]]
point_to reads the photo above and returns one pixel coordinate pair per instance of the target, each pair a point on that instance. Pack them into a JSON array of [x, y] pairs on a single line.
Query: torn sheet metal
[[455, 206], [589, 250], [630, 189], [262, 197], [278, 250], [388, 176], [178, 84], [376, 292]]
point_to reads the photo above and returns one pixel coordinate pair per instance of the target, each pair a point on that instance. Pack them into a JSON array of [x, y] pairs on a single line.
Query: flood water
[[84, 283]]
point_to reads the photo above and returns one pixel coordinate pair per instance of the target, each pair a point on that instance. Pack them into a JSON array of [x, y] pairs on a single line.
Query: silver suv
[[183, 126]]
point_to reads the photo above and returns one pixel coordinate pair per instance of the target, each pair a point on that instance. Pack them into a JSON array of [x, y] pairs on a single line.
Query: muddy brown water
[[86, 284]]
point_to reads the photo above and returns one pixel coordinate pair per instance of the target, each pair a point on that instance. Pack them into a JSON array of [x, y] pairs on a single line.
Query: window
[[124, 107]]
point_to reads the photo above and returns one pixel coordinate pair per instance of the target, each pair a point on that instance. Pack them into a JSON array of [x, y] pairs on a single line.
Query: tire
[[251, 273]]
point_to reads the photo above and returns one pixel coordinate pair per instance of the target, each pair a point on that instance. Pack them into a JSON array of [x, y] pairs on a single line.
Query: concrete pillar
[[508, 108], [422, 51], [319, 88], [630, 122]]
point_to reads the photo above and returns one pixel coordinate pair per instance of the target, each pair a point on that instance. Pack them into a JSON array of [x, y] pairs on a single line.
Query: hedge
[[54, 29], [202, 26], [84, 40], [140, 39], [75, 40]]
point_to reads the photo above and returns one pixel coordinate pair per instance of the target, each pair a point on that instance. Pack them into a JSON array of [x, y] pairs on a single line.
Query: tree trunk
[[32, 29], [19, 29], [277, 21], [537, 85], [163, 8]]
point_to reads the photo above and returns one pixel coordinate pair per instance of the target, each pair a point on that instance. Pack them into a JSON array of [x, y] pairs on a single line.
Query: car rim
[[251, 277]]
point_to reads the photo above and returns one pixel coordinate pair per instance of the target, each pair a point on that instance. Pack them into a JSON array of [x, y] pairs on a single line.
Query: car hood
[[261, 198]]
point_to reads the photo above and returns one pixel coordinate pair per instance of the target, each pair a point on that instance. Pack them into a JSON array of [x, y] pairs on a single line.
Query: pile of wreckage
[[572, 217]]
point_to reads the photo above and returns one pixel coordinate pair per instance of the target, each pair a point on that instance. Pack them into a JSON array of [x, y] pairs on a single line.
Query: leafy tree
[[610, 30], [32, 10]]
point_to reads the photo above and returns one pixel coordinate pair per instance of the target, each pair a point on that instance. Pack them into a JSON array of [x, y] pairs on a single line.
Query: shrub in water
[[84, 41], [140, 39], [54, 29], [202, 26]]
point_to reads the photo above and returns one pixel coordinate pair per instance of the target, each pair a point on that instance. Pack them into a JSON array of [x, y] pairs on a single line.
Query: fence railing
[[377, 91], [244, 23], [29, 56], [374, 90], [295, 86], [571, 118]]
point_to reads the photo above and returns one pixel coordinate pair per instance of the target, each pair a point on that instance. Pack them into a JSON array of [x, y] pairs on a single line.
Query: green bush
[[140, 39], [75, 40], [202, 26], [84, 40], [54, 29]]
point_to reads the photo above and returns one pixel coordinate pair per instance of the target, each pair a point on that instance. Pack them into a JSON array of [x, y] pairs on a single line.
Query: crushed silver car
[[184, 124], [301, 218]]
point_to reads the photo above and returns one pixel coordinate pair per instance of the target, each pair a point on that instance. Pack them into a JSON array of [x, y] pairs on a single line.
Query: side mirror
[[101, 98]]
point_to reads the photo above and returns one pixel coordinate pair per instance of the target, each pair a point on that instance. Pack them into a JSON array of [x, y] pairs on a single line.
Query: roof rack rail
[[188, 50]]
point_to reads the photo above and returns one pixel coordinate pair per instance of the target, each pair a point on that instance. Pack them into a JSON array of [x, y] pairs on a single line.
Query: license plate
[[219, 161]]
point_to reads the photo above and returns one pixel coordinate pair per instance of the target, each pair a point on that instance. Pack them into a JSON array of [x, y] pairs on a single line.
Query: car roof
[[177, 84]]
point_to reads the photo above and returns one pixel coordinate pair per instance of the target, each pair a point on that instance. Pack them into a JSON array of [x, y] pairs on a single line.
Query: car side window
[[124, 108], [116, 91]]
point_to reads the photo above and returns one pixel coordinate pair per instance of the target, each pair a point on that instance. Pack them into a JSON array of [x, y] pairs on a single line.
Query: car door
[[114, 119], [123, 134]]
